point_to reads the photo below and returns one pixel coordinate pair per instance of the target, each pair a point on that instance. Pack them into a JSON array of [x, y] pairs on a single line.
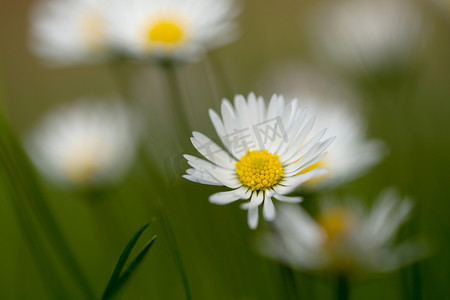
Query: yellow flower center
[[337, 222], [83, 163], [259, 170], [165, 32]]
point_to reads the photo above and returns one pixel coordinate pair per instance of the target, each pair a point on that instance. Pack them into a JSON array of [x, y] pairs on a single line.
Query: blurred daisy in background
[[86, 144], [266, 153], [366, 34], [171, 29], [345, 239], [352, 154], [65, 32]]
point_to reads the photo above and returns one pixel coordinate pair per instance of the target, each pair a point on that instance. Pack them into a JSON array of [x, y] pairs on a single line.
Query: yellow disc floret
[[259, 170], [83, 164], [165, 32], [336, 222]]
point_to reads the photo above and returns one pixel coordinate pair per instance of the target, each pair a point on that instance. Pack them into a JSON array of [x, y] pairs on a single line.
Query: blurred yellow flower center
[[83, 164], [93, 31], [259, 170], [165, 32], [336, 222]]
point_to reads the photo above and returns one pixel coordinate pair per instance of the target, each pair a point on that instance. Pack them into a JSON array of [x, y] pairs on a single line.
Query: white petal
[[242, 110], [310, 155], [279, 139], [227, 197], [291, 183], [253, 110], [272, 111], [287, 199], [257, 199], [295, 222], [201, 177], [294, 128], [308, 146], [227, 177], [230, 121], [388, 213], [296, 143], [252, 217], [269, 212], [220, 128], [302, 164], [212, 151], [261, 109]]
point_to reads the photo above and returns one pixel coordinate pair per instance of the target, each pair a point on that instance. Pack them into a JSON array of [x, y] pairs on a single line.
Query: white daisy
[[69, 31], [175, 29], [344, 239], [352, 154], [365, 33], [84, 144], [266, 151]]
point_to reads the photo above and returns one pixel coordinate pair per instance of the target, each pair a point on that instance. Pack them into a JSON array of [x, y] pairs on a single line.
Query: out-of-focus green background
[[408, 108]]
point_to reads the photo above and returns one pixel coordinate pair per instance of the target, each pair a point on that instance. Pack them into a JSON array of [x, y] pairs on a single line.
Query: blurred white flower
[[365, 33], [344, 239], [84, 144], [65, 32], [266, 152], [352, 154], [174, 29]]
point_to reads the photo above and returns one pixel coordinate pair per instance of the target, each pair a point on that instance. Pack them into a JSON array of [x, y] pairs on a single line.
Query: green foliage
[[24, 192], [119, 278]]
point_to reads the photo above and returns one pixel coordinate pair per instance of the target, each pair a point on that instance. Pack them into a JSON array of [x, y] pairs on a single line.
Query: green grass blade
[[134, 264], [116, 280]]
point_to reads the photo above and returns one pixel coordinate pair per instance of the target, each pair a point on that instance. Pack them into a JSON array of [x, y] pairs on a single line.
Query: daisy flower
[[171, 29], [352, 154], [266, 154], [84, 144], [345, 238], [365, 33], [66, 32]]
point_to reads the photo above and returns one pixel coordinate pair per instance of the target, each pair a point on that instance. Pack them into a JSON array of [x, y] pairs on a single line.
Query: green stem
[[176, 252], [176, 100], [122, 78], [101, 205], [158, 185], [220, 75], [289, 282], [342, 289]]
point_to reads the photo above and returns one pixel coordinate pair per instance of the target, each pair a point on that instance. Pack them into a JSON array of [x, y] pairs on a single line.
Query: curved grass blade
[[134, 264], [117, 281], [124, 257]]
